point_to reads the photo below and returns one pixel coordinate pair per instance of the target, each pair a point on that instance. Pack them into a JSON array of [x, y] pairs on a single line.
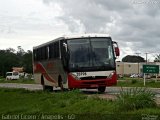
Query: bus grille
[[95, 82], [93, 77]]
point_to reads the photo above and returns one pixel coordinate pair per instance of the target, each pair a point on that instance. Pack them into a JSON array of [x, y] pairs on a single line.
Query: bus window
[[47, 52], [35, 55], [42, 53], [38, 54], [51, 49], [56, 49]]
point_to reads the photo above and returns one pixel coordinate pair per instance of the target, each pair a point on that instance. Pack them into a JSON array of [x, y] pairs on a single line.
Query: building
[[126, 68], [18, 69]]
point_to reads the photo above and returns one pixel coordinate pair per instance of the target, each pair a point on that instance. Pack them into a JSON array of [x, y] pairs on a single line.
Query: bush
[[134, 81], [135, 98], [1, 77]]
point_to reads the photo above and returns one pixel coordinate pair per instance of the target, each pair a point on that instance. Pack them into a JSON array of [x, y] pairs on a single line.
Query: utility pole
[[146, 57], [138, 61]]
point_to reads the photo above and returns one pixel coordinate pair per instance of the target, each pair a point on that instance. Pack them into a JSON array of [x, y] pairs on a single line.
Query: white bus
[[83, 61]]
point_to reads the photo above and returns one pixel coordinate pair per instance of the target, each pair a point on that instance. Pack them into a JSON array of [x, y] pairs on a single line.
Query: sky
[[134, 24]]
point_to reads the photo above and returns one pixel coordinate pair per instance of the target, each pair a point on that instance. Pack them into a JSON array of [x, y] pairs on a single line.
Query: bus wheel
[[42, 80], [60, 84], [101, 89], [46, 87]]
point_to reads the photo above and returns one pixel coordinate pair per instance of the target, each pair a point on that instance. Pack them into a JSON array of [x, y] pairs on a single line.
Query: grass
[[136, 98], [72, 104], [45, 102], [134, 82]]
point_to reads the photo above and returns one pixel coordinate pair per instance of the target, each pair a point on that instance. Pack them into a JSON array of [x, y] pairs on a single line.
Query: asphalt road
[[25, 86], [109, 90]]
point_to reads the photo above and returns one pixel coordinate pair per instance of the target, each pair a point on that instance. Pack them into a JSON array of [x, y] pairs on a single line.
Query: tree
[[27, 61], [157, 58], [20, 54], [9, 58], [20, 51], [133, 59]]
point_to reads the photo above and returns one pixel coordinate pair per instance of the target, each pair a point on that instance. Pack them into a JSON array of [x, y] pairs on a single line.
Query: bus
[[76, 62]]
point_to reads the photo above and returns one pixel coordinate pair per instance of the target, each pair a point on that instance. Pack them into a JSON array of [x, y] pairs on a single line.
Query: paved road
[[25, 86], [109, 90]]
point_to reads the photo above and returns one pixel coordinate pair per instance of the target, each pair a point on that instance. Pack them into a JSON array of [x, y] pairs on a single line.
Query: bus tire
[[46, 87], [42, 80], [60, 83], [101, 89]]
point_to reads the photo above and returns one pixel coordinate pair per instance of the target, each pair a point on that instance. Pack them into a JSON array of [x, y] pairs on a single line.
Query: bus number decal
[[81, 73]]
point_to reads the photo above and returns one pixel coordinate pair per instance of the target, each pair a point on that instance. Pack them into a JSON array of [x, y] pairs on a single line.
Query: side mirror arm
[[116, 48], [65, 45]]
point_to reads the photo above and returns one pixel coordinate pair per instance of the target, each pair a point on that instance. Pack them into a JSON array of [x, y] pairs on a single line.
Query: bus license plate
[[94, 85]]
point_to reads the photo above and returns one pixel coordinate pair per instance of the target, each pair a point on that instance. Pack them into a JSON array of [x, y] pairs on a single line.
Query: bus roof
[[73, 36], [85, 35]]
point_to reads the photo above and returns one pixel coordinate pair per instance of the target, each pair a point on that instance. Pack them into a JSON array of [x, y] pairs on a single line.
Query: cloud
[[28, 23], [126, 21], [133, 23]]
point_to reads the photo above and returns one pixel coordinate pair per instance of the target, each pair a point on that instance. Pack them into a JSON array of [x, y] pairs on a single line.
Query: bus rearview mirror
[[65, 45], [116, 48], [117, 51]]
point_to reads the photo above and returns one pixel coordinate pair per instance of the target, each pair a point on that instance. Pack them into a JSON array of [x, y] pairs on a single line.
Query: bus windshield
[[91, 54]]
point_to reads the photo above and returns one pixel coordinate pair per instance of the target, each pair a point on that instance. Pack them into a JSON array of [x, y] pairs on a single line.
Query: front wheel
[[101, 89], [60, 84], [47, 88]]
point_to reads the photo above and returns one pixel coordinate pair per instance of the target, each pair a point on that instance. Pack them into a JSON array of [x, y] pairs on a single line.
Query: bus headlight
[[111, 74], [75, 76]]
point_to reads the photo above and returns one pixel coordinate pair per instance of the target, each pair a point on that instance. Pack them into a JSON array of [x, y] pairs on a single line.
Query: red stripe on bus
[[39, 68]]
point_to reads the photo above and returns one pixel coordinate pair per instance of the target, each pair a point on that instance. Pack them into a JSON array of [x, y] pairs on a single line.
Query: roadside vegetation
[[138, 82], [136, 98], [80, 106], [21, 80], [10, 58]]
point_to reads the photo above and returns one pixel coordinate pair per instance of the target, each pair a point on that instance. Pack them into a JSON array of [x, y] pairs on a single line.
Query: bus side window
[[51, 49], [42, 53], [35, 55], [47, 52], [56, 49], [38, 54]]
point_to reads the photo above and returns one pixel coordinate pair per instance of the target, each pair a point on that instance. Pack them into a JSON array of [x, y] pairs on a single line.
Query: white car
[[12, 75], [134, 76]]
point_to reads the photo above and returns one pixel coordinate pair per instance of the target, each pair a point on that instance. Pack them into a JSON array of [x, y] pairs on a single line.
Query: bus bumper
[[74, 83]]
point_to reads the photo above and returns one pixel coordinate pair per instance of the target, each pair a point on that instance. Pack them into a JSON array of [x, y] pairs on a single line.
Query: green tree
[[27, 61], [133, 59], [8, 59], [20, 54], [2, 65]]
